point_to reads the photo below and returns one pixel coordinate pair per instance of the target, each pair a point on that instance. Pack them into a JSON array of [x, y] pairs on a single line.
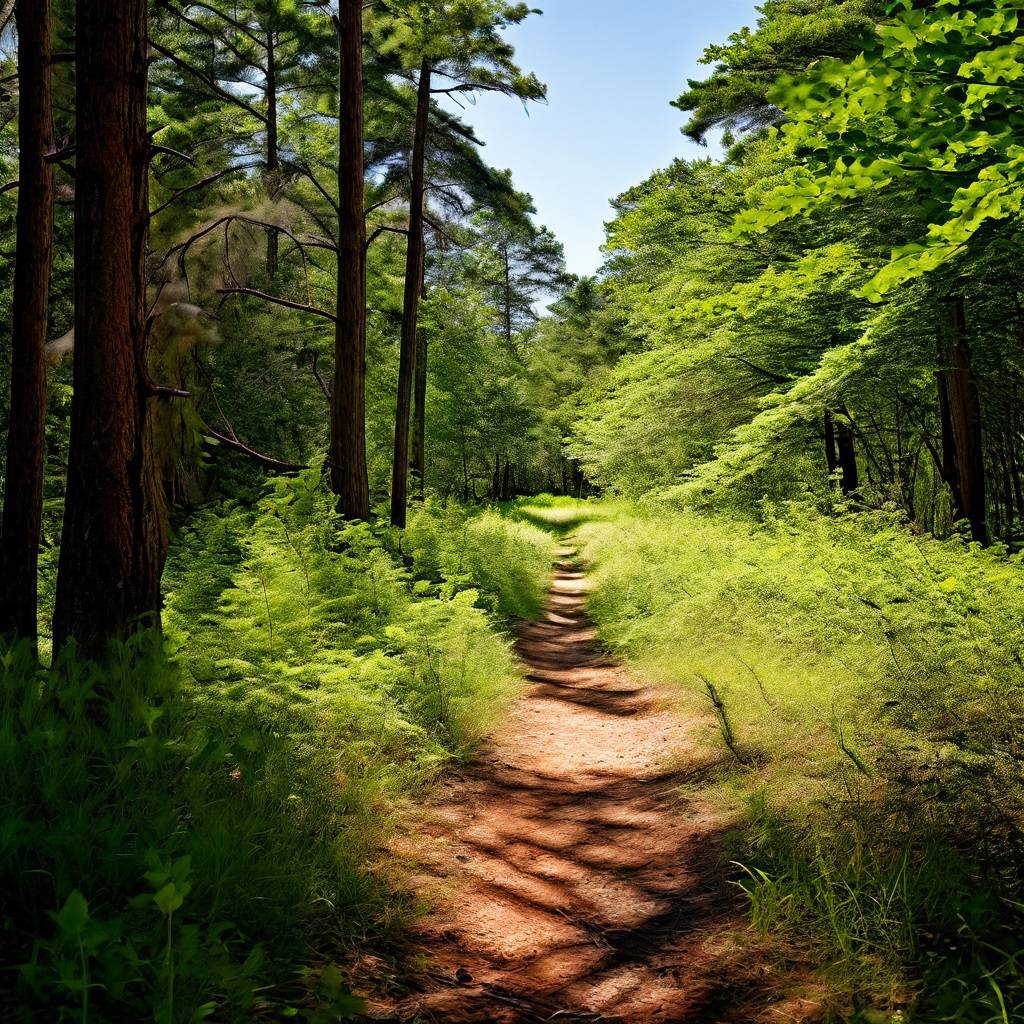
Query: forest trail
[[569, 877]]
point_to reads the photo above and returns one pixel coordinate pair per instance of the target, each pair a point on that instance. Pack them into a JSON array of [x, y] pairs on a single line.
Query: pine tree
[[459, 46], [114, 537], [23, 487]]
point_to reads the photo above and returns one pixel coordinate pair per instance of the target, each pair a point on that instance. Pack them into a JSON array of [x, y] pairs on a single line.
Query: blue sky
[[611, 67]]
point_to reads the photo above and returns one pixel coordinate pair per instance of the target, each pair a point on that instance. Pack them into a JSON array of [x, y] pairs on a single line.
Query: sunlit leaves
[[931, 104]]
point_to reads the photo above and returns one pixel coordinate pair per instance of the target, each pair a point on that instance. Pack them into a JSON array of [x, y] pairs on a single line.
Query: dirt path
[[568, 878]]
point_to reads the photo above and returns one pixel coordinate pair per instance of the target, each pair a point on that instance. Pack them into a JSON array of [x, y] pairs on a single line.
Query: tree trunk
[[850, 479], [114, 539], [349, 478], [419, 422], [830, 445], [508, 297], [23, 488], [948, 466], [965, 421], [273, 150], [413, 285]]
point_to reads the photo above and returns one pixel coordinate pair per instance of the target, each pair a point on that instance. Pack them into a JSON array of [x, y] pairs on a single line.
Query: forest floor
[[574, 870]]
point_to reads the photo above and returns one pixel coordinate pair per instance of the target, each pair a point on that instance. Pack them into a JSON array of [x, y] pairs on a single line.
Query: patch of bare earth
[[570, 878]]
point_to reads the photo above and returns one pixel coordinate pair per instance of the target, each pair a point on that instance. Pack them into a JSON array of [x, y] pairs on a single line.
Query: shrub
[[872, 683], [184, 824]]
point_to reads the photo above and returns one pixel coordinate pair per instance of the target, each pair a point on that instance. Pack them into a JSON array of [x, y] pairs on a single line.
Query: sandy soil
[[570, 878]]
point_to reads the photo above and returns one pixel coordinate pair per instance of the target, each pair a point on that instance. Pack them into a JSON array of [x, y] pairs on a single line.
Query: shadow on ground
[[570, 879]]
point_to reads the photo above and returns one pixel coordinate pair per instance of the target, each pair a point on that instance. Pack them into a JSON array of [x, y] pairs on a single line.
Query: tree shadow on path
[[570, 878]]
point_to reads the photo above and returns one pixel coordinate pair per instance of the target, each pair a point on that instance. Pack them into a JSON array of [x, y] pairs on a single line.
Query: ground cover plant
[[862, 695], [175, 827]]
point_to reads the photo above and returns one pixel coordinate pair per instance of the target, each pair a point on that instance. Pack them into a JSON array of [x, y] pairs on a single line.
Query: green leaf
[[73, 915]]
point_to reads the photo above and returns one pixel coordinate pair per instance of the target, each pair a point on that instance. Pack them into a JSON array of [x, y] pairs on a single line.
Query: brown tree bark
[[419, 420], [964, 411], [23, 487], [948, 466], [114, 540], [413, 285], [273, 150], [349, 478]]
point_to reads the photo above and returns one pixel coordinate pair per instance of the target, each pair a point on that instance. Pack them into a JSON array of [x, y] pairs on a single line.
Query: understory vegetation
[[863, 694], [290, 364], [175, 830]]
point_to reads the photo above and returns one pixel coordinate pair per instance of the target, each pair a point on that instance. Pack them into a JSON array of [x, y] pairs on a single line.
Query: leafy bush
[[175, 830], [509, 560], [870, 681]]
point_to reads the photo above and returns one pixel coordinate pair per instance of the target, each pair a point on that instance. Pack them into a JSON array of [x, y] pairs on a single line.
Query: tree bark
[[419, 421], [948, 466], [830, 445], [965, 421], [273, 151], [413, 285], [114, 539], [349, 478], [23, 488], [850, 479]]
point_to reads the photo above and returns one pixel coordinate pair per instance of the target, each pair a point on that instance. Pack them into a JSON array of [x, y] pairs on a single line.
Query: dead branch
[[263, 460], [277, 300]]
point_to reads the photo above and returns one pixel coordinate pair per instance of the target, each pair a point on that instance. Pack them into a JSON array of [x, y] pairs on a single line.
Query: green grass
[[874, 694], [202, 834]]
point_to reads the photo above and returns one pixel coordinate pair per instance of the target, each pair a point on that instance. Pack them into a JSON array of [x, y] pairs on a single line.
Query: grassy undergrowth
[[199, 836], [864, 693]]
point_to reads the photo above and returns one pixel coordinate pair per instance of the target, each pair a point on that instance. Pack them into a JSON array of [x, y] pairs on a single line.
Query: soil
[[573, 871]]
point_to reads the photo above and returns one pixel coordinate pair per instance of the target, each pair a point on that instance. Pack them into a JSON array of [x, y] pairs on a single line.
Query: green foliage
[[509, 561], [790, 35], [175, 831], [931, 107], [871, 682]]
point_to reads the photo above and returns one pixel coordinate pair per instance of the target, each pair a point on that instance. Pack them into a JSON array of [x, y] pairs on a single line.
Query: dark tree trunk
[[948, 466], [508, 297], [410, 313], [506, 482], [273, 150], [348, 406], [419, 421], [114, 539], [23, 488], [831, 459], [965, 421], [850, 475]]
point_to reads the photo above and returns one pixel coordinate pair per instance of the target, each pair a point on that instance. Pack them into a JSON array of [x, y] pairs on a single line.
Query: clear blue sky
[[611, 67]]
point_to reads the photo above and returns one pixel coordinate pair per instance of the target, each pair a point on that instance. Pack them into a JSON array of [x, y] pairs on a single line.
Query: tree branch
[[209, 82], [263, 460], [209, 180], [319, 378], [380, 231], [770, 374], [277, 300]]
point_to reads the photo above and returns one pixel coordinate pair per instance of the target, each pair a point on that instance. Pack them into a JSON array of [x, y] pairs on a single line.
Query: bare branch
[[209, 180], [306, 171], [167, 151], [380, 231], [277, 300], [263, 460], [319, 378]]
